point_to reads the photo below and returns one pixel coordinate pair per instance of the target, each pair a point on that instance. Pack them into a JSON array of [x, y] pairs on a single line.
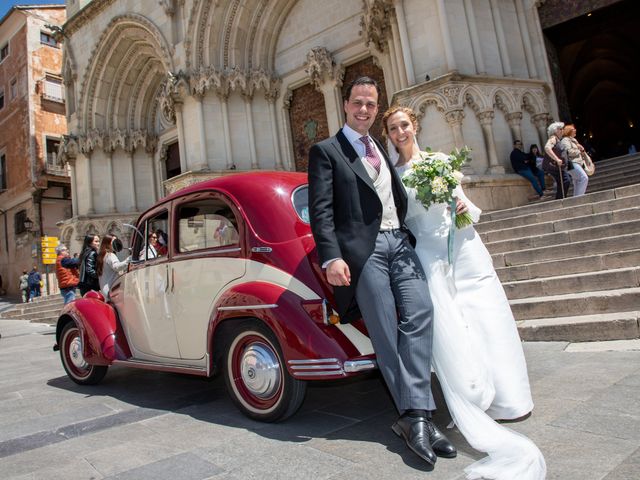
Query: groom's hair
[[361, 81]]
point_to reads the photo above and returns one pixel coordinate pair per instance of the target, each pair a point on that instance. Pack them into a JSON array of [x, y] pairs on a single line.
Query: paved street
[[144, 425]]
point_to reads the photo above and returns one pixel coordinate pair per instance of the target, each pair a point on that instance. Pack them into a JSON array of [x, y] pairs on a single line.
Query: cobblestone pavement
[[142, 425]]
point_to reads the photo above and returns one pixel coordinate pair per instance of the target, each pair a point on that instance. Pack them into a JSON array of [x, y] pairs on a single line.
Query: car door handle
[[166, 284], [173, 279]]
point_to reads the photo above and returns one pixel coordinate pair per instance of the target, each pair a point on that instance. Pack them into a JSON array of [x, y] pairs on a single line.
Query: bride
[[477, 354]]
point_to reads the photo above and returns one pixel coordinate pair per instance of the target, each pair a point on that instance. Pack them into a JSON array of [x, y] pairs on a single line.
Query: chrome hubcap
[[75, 354], [260, 370]]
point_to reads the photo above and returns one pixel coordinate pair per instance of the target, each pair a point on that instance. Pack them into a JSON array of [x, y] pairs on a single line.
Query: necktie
[[370, 153]]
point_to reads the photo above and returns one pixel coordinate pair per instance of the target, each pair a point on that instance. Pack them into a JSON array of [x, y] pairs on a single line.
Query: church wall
[[144, 175], [82, 187], [215, 133], [529, 132], [488, 38], [503, 139], [100, 178], [460, 37], [335, 24], [514, 36], [434, 131], [472, 133], [122, 183], [262, 133], [427, 49], [240, 155]]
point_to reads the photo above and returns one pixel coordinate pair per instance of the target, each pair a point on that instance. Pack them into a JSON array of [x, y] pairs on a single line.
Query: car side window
[[205, 224], [152, 240]]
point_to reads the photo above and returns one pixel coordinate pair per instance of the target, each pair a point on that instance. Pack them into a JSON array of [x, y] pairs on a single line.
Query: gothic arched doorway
[[594, 59]]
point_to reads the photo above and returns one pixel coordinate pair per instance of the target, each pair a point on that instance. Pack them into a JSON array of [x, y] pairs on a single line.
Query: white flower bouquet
[[435, 176]]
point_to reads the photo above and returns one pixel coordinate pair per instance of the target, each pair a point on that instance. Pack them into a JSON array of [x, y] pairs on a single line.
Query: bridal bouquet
[[435, 176]]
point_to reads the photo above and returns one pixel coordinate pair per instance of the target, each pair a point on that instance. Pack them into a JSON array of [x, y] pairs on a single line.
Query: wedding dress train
[[477, 354]]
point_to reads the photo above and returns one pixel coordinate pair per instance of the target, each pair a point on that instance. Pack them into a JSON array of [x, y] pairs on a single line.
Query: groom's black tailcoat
[[346, 211]]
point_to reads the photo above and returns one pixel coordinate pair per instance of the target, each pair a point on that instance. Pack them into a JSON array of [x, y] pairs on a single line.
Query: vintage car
[[235, 287]]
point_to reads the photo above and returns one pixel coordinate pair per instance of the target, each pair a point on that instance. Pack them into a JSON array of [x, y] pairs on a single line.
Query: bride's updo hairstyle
[[395, 109]]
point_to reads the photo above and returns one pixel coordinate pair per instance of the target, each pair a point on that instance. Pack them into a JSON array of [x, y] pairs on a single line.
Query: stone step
[[33, 308], [562, 239], [52, 320], [589, 247], [584, 328], [568, 266], [611, 194], [586, 282], [51, 312], [596, 219], [623, 159], [631, 168], [602, 201], [625, 181], [576, 304]]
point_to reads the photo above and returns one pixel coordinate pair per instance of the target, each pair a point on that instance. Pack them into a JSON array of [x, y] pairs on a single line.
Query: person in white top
[[108, 265], [151, 250], [477, 354]]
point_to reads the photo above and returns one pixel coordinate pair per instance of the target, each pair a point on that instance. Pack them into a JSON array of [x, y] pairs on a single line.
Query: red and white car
[[236, 288]]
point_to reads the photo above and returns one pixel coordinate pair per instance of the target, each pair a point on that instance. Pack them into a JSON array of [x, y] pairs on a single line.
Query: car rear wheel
[[256, 377], [73, 361]]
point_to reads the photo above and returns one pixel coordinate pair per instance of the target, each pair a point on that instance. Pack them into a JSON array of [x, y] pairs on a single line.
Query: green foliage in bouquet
[[435, 176]]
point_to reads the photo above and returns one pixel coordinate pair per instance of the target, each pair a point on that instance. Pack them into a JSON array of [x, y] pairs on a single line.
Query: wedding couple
[[419, 311]]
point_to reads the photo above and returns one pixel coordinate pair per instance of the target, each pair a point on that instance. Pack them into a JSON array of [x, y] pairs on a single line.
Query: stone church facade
[[158, 98]]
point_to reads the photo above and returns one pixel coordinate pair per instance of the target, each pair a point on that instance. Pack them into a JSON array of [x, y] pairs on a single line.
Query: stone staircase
[[571, 268], [43, 309]]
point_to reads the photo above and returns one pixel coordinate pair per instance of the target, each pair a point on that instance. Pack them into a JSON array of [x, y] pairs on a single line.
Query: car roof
[[263, 196]]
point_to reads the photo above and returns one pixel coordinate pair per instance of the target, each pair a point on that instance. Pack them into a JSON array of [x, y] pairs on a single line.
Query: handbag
[[549, 165], [589, 166]]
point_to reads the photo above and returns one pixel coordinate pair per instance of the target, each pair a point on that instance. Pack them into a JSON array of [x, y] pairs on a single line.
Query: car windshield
[[300, 199]]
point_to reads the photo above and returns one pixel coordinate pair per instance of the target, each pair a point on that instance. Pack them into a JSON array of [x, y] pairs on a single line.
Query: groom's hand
[[338, 273]]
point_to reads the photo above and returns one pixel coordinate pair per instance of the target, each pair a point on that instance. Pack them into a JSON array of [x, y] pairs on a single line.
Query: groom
[[357, 205]]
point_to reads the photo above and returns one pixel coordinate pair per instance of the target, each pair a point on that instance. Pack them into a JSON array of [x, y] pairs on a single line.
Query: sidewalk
[[140, 425]]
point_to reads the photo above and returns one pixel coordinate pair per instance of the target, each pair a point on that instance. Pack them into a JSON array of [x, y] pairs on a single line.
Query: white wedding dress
[[477, 354]]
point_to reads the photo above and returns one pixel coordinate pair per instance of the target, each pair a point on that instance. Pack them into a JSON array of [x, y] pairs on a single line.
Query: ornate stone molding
[[454, 117], [110, 141], [84, 16], [514, 118], [321, 68], [225, 82], [376, 23]]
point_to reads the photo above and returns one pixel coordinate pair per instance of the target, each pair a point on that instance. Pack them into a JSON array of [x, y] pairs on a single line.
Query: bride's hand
[[461, 207]]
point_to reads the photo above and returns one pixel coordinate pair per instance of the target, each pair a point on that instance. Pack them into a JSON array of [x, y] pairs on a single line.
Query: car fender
[[103, 340], [282, 311]]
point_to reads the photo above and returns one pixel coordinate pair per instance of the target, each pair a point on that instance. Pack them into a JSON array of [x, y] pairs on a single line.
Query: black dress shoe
[[415, 432], [441, 444]]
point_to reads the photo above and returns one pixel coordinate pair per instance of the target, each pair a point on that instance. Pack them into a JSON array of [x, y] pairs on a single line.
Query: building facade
[[34, 183], [160, 98]]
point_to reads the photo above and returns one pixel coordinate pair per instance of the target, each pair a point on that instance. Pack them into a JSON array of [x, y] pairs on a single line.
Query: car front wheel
[[256, 377], [73, 361]]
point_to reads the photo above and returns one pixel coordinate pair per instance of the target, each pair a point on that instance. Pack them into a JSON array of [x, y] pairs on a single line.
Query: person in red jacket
[[67, 273]]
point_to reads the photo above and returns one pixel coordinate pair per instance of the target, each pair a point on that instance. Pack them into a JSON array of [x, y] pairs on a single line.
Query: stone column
[[253, 153], [446, 37], [89, 180], [204, 162], [502, 42], [151, 148], [223, 95], [486, 122], [74, 187], [454, 118], [475, 38], [271, 96], [327, 78], [286, 129], [182, 144], [541, 121], [514, 119], [404, 42], [526, 39], [132, 181], [111, 182]]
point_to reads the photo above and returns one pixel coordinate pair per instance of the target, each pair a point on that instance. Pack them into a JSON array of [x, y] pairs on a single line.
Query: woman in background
[[108, 265], [574, 151], [88, 275]]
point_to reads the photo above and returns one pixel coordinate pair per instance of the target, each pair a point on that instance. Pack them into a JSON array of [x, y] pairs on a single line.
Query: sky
[[5, 5]]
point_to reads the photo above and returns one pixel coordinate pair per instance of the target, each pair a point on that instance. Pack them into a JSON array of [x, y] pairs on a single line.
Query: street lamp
[[28, 224]]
